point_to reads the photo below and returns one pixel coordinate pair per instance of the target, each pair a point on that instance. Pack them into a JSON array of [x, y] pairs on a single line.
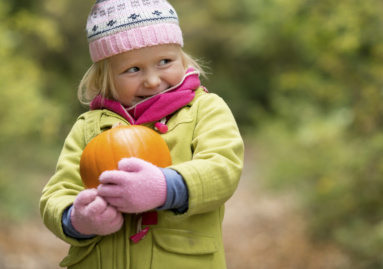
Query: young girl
[[142, 216]]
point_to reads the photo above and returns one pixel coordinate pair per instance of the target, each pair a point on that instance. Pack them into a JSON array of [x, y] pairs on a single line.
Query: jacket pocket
[[78, 257], [182, 249]]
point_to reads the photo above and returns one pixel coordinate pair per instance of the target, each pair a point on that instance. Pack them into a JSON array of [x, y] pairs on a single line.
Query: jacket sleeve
[[62, 189], [213, 174]]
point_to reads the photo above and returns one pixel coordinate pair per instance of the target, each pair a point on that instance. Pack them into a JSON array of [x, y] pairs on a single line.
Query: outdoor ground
[[265, 231], [261, 231]]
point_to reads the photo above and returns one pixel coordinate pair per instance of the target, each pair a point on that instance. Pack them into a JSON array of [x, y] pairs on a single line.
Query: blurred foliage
[[302, 77], [40, 66], [323, 139]]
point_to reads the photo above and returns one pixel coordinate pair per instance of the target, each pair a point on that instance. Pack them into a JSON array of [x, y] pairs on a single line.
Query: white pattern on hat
[[115, 26]]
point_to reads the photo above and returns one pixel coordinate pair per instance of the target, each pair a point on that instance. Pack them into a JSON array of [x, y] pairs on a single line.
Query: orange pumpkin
[[105, 151]]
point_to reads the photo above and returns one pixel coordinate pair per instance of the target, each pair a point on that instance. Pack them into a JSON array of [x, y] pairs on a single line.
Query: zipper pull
[[140, 235], [161, 126], [147, 218]]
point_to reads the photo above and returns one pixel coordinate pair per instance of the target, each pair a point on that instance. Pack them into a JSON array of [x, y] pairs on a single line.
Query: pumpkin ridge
[[104, 151]]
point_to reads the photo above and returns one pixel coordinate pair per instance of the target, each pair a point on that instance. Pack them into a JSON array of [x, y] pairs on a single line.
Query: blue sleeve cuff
[[68, 228], [177, 197]]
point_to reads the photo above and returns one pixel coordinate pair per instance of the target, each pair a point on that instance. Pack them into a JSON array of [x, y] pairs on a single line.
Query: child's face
[[141, 73]]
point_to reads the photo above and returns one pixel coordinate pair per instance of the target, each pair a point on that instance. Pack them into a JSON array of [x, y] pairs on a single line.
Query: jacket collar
[[157, 106]]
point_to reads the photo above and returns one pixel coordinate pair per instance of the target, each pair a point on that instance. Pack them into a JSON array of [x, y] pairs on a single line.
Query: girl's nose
[[152, 80]]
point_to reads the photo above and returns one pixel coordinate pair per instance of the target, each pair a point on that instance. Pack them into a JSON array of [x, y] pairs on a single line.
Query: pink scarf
[[156, 107]]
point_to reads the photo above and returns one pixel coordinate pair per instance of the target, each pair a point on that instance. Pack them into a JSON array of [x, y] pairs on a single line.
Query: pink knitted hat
[[116, 26]]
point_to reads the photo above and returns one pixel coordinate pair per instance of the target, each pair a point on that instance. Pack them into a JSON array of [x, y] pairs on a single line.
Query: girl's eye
[[164, 61], [132, 70]]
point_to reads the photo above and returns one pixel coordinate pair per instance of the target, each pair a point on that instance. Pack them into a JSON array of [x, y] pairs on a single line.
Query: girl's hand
[[91, 214], [137, 186]]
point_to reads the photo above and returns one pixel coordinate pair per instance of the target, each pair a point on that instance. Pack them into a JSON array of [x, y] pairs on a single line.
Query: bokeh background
[[304, 80]]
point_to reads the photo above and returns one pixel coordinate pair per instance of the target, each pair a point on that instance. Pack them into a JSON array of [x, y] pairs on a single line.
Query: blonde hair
[[98, 80]]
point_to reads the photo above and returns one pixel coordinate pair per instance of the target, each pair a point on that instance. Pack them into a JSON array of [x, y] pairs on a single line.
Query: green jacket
[[207, 150]]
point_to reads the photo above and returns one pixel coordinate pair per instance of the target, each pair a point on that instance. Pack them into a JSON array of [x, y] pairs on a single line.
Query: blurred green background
[[304, 79]]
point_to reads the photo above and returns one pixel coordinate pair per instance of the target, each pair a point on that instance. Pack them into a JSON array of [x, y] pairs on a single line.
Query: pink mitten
[[91, 214], [137, 186]]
